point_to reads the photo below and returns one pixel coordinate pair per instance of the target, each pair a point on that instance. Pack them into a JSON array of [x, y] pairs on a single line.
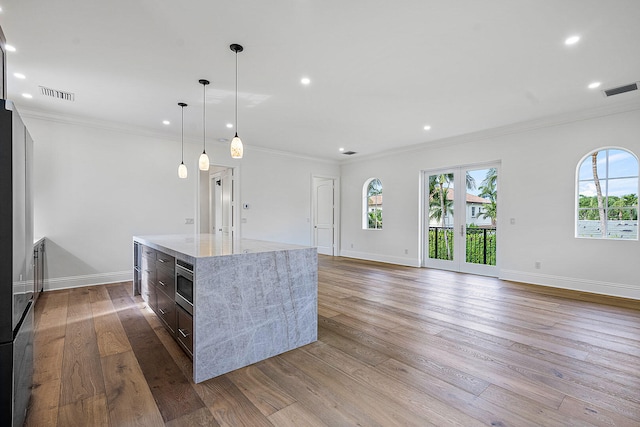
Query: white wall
[[96, 186], [277, 189], [537, 165]]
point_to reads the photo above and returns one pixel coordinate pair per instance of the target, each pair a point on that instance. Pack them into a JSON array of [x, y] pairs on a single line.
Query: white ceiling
[[380, 70]]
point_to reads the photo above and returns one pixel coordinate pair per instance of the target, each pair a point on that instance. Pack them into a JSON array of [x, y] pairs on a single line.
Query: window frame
[[606, 180], [365, 203]]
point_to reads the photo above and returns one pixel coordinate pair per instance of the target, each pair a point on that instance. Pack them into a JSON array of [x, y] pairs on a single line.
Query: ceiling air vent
[[620, 89], [58, 94], [349, 153]]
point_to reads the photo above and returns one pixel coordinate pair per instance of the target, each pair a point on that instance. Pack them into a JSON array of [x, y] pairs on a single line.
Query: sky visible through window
[[622, 173]]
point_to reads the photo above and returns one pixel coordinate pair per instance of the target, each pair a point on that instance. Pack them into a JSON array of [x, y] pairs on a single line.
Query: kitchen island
[[251, 299]]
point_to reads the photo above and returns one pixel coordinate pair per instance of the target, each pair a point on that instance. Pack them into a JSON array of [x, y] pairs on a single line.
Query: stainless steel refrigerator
[[16, 266]]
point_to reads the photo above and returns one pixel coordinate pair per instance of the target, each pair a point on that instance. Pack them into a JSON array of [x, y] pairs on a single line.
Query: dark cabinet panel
[[164, 259], [185, 330], [166, 280], [167, 311]]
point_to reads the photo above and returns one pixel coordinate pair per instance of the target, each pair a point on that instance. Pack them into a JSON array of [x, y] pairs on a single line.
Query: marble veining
[[253, 306], [252, 299]]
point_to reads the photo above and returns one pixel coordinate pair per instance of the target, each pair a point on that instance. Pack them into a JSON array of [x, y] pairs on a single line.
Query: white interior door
[[324, 215], [460, 221], [222, 203]]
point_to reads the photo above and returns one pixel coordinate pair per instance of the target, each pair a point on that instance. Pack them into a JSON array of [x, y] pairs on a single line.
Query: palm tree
[[488, 190], [375, 217], [438, 194], [594, 168]]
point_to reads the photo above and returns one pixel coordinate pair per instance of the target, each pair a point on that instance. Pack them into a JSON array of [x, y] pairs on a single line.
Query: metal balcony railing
[[480, 244]]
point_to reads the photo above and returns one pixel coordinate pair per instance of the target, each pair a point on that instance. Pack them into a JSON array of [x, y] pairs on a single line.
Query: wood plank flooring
[[397, 346]]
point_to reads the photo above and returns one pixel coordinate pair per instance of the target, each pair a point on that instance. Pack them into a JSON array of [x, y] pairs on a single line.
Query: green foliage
[[488, 190], [375, 218], [620, 208], [475, 244]]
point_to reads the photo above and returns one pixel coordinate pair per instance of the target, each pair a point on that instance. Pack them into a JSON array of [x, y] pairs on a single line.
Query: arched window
[[607, 191], [372, 204]]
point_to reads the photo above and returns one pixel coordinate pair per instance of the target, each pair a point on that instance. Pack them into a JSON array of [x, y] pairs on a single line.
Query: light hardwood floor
[[397, 346]]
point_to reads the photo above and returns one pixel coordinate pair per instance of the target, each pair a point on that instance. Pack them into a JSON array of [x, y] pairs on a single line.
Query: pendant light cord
[[182, 133], [204, 121], [236, 93]]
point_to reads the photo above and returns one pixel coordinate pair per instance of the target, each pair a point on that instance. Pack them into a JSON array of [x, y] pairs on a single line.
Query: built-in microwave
[[184, 285]]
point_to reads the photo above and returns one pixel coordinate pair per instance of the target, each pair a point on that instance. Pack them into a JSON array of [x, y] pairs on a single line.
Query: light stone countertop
[[210, 245]]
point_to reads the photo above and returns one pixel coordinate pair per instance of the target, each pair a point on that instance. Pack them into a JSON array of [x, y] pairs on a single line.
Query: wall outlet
[[188, 221], [538, 264], [406, 251], [352, 246], [512, 221]]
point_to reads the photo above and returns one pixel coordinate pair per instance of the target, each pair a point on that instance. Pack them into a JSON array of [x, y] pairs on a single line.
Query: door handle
[[462, 230]]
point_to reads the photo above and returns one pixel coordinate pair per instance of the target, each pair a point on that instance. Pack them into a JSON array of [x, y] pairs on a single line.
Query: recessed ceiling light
[[572, 40], [166, 122], [340, 149], [229, 125], [305, 81], [19, 76], [594, 85], [427, 127], [9, 48], [27, 95]]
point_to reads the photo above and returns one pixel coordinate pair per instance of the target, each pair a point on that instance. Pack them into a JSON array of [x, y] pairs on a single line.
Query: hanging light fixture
[[203, 161], [182, 169], [236, 142]]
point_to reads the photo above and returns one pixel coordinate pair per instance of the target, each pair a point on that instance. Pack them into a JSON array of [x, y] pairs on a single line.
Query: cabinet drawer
[[166, 281], [184, 333], [165, 259], [148, 266], [153, 297], [147, 252], [167, 311]]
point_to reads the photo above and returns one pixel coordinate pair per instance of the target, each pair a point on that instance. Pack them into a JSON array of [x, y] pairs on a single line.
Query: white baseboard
[[409, 262], [623, 290], [87, 280]]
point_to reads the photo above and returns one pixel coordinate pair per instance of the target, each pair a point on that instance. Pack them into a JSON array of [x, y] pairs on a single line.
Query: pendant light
[[203, 161], [236, 142], [182, 169]]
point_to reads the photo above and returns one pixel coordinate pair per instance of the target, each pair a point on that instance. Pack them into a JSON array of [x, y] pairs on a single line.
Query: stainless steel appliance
[[184, 285], [16, 267]]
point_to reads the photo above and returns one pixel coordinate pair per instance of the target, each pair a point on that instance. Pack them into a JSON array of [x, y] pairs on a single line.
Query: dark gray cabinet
[[184, 333], [156, 272]]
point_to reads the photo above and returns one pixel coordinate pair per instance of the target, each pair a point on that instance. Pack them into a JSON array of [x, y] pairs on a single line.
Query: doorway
[[218, 193], [460, 220], [323, 209]]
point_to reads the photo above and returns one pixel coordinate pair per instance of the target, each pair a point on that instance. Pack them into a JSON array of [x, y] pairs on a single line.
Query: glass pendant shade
[[236, 147], [182, 171], [203, 162]]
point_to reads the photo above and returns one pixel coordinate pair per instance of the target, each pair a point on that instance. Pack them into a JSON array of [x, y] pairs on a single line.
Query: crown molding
[[139, 131], [515, 128]]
